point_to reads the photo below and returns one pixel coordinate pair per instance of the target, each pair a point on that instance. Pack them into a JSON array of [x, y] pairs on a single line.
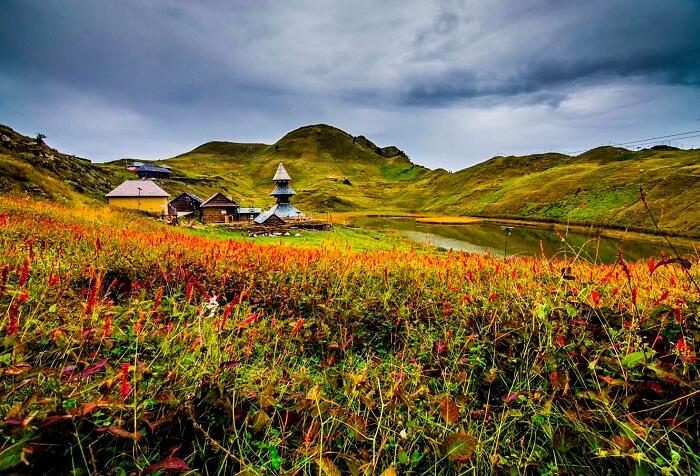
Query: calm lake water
[[525, 241]]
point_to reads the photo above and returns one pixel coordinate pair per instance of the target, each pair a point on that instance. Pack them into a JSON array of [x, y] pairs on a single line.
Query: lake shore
[[686, 242]]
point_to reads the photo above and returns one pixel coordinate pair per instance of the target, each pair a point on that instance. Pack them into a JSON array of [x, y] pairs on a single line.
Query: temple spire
[[281, 174]]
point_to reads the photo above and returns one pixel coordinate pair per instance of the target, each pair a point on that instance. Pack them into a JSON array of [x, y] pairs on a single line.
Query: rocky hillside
[[29, 167]]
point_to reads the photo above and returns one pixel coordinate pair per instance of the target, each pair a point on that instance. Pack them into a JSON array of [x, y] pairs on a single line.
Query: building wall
[[214, 215], [147, 204]]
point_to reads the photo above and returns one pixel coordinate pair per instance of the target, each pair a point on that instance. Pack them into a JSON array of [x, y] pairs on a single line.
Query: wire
[[54, 135], [660, 137]]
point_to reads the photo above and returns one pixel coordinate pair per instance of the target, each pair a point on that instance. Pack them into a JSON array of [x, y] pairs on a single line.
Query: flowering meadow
[[131, 347]]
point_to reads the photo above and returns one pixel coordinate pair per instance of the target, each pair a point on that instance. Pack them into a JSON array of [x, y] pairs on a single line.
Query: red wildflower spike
[[595, 297], [677, 315], [24, 274], [12, 325], [107, 327], [682, 346], [156, 299], [296, 327], [560, 340], [125, 387], [3, 280]]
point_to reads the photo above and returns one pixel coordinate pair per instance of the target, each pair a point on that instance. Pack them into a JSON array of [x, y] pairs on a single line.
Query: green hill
[[28, 167], [599, 187], [335, 171], [331, 171]]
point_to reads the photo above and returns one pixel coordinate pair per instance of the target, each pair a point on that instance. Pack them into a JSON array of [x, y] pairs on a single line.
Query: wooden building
[[283, 210], [247, 213], [187, 203], [219, 209], [142, 195], [153, 171]]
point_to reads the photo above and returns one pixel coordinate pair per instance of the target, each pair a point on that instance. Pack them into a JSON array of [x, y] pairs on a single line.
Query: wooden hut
[[219, 209], [187, 203], [248, 213]]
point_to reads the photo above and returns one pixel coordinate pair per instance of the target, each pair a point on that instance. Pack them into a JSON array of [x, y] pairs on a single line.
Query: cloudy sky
[[452, 83]]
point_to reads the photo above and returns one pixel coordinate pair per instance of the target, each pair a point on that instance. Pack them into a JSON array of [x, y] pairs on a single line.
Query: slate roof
[[191, 195], [219, 200], [249, 210], [281, 174], [282, 210], [283, 191], [130, 188], [153, 168]]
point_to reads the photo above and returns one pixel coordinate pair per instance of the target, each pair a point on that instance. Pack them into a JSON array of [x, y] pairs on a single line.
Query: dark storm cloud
[[564, 44], [147, 78]]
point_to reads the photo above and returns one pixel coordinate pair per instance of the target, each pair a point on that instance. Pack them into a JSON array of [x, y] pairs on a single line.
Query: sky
[[452, 83]]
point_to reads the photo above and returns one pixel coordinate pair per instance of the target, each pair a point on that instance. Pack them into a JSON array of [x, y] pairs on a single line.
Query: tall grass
[[128, 346]]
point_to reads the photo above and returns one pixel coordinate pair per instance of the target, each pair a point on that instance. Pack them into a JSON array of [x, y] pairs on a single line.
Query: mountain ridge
[[335, 171]]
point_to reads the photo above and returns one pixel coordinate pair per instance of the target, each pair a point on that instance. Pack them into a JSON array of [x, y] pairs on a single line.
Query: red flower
[[24, 274], [677, 314], [125, 387], [297, 326], [12, 326], [560, 340], [156, 299], [595, 296]]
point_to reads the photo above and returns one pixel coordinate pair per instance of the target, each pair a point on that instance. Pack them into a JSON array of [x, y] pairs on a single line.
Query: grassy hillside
[[600, 186], [335, 171], [330, 169], [30, 168]]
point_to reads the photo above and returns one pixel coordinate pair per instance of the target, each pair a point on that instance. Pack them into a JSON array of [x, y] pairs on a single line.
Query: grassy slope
[[332, 171], [546, 187], [28, 168], [329, 171]]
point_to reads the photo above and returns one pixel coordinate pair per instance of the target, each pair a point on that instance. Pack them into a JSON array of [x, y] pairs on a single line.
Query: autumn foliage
[[127, 345]]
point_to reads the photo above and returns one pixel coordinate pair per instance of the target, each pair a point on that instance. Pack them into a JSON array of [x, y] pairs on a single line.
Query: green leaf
[[11, 456], [52, 308], [635, 359]]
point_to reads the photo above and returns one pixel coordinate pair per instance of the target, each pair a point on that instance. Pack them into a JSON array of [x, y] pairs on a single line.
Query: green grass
[[332, 171], [130, 346]]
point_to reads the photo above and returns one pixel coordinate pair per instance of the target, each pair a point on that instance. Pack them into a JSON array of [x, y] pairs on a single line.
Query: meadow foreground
[[127, 346]]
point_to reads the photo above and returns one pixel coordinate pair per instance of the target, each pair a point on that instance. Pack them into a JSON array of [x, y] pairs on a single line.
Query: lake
[[523, 240]]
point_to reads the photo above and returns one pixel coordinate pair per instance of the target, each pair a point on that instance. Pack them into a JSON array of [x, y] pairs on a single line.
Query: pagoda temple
[[282, 210]]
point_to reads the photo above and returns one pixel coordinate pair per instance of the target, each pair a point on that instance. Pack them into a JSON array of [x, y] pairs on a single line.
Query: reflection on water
[[527, 241]]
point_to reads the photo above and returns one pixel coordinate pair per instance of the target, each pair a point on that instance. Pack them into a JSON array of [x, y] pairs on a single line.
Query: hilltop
[[331, 170], [338, 172], [29, 167]]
